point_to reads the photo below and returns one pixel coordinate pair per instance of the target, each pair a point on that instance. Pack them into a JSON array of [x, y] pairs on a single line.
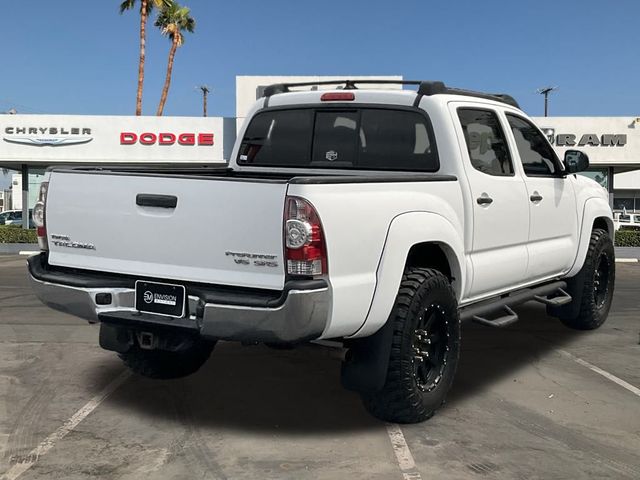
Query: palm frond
[[127, 5], [173, 19]]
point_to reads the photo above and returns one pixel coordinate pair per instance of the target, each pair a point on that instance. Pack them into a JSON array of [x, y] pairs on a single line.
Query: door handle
[[160, 201], [536, 197], [484, 200]]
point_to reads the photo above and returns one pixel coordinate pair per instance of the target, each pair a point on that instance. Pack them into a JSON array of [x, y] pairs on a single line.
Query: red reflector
[[41, 232], [337, 97]]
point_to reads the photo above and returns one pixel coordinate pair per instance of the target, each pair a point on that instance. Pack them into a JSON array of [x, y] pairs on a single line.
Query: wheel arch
[[604, 223], [596, 214], [418, 239]]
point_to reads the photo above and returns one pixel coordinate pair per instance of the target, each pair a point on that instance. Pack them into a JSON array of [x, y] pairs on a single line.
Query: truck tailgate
[[221, 231]]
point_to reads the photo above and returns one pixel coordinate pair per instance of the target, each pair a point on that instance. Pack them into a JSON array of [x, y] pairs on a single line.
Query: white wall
[[54, 139], [16, 190], [627, 181]]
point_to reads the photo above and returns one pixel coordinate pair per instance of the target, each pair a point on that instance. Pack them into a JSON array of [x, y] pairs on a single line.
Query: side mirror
[[575, 161]]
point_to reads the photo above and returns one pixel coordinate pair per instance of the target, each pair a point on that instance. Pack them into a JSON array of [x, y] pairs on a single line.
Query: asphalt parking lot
[[534, 401]]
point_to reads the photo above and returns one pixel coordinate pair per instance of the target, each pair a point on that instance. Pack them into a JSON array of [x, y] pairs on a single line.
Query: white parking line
[[626, 260], [403, 454], [68, 426], [633, 389]]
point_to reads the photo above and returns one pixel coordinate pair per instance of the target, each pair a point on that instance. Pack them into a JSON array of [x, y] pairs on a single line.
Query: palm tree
[[145, 8], [172, 20]]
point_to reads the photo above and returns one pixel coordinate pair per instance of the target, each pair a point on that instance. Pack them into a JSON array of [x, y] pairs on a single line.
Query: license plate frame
[[158, 298]]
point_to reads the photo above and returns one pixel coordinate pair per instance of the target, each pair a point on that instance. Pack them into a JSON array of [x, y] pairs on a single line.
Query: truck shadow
[[490, 355], [299, 392]]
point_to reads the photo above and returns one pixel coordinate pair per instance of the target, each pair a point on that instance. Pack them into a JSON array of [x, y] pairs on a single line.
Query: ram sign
[[609, 141], [55, 139]]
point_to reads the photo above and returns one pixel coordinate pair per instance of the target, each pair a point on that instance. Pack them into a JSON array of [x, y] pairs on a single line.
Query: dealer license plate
[[160, 298]]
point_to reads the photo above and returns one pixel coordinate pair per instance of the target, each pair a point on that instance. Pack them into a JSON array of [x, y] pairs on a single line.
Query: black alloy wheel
[[430, 347], [601, 280]]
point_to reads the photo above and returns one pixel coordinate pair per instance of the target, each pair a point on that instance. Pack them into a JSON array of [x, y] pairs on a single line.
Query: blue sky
[[80, 57]]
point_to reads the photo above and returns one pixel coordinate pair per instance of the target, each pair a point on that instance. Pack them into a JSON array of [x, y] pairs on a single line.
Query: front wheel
[[592, 288], [424, 352]]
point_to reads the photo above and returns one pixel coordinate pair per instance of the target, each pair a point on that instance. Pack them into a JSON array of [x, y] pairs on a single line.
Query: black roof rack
[[425, 88]]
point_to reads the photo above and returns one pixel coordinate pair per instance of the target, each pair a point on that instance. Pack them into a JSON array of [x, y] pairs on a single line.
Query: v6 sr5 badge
[[255, 259]]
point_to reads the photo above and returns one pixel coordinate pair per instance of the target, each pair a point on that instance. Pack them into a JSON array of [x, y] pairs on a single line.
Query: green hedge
[[628, 238], [16, 234]]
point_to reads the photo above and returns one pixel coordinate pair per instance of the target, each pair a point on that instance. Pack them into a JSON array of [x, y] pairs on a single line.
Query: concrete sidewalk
[[627, 252]]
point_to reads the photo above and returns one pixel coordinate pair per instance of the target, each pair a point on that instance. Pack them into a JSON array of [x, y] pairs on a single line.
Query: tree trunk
[[167, 80], [143, 24]]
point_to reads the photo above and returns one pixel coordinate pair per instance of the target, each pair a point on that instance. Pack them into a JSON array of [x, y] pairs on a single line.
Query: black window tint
[[395, 139], [485, 142], [334, 142], [538, 158], [364, 138], [280, 137]]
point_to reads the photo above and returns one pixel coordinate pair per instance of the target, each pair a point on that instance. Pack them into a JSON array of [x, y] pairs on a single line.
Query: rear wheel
[[592, 288], [164, 364], [425, 349]]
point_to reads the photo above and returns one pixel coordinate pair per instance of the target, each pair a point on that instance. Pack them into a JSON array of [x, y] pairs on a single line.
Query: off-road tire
[[162, 364], [401, 399], [588, 313]]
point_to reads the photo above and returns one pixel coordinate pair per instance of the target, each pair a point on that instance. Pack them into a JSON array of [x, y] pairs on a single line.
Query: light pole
[[205, 91], [546, 91]]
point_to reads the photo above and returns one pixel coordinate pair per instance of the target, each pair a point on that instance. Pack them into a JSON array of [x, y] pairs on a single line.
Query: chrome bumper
[[302, 316]]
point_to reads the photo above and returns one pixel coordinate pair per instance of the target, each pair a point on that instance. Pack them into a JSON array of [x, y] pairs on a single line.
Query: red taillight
[[337, 97], [304, 245], [39, 217]]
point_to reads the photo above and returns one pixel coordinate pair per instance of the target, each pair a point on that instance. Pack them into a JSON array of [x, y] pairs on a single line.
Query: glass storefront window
[[621, 203]]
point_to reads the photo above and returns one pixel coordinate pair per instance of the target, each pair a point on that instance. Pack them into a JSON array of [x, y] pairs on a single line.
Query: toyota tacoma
[[377, 218]]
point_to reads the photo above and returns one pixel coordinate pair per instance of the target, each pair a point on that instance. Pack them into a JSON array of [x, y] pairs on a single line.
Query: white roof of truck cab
[[371, 96]]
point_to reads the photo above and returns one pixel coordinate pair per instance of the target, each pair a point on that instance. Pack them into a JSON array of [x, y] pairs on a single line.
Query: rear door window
[[486, 143], [363, 138]]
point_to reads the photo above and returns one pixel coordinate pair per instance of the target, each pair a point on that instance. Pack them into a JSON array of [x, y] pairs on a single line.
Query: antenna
[[546, 91]]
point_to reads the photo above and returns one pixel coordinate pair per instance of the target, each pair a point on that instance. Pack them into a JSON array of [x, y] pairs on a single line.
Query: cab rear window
[[364, 138]]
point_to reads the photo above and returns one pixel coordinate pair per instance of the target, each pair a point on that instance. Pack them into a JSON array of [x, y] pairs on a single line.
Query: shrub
[[16, 234], [628, 238]]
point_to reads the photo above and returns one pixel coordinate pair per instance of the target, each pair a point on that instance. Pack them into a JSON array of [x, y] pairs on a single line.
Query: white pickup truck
[[376, 218]]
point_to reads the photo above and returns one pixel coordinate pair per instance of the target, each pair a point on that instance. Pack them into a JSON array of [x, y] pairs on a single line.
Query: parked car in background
[[14, 217], [626, 221]]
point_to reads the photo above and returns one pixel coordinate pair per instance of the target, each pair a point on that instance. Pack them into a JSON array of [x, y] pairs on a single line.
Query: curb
[[28, 252], [16, 248], [626, 260]]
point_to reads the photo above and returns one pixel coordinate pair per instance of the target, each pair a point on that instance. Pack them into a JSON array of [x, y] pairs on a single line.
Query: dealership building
[[31, 143]]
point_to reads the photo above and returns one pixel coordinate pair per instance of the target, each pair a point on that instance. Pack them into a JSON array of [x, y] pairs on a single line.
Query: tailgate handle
[[160, 201]]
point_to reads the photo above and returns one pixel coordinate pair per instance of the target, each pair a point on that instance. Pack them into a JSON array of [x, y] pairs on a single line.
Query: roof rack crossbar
[[425, 88]]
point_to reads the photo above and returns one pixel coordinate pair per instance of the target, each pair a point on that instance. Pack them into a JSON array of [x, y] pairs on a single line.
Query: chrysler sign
[[45, 140], [47, 136]]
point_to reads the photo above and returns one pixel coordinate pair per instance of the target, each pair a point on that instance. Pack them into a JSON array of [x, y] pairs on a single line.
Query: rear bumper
[[299, 313]]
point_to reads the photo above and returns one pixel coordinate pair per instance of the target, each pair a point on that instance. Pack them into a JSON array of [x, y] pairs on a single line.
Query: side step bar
[[552, 294]]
